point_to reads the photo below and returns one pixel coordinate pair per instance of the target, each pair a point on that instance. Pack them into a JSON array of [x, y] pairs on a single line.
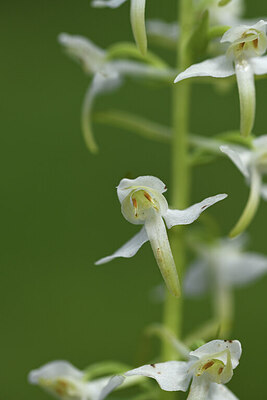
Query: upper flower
[[107, 75], [143, 203], [223, 264], [243, 58], [246, 41], [137, 19], [209, 367], [66, 382], [230, 14], [252, 163]]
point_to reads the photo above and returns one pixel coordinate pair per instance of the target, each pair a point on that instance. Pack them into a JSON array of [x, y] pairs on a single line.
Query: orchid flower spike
[[209, 367], [223, 265], [142, 203], [252, 163], [243, 58], [66, 382], [107, 75], [137, 19]]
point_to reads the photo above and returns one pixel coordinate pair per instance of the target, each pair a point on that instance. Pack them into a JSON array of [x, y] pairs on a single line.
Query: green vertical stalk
[[224, 310], [181, 178]]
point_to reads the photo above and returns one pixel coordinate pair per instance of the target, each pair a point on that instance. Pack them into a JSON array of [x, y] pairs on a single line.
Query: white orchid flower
[[229, 15], [252, 163], [142, 203], [137, 19], [243, 58], [209, 367], [223, 264], [66, 382], [107, 75]]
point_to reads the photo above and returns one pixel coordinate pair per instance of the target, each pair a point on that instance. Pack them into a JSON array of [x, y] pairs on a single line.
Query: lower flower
[[209, 368]]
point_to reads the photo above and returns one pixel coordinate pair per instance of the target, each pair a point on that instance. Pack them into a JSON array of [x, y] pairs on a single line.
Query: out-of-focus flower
[[229, 14], [243, 58], [142, 203], [137, 19], [209, 367], [66, 382], [223, 265], [107, 75]]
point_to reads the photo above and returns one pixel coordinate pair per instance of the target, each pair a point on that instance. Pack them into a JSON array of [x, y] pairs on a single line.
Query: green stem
[[180, 174], [224, 311]]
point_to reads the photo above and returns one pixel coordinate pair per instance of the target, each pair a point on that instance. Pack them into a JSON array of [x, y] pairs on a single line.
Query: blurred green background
[[60, 213]]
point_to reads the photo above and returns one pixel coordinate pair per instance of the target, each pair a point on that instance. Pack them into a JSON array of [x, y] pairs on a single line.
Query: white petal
[[129, 249], [113, 383], [108, 3], [100, 84], [214, 347], [54, 369], [138, 24], [159, 241], [196, 280], [234, 34], [218, 67], [240, 158], [127, 185], [220, 392], [199, 388], [83, 50], [260, 26], [259, 65], [247, 96], [171, 375], [189, 215], [248, 267]]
